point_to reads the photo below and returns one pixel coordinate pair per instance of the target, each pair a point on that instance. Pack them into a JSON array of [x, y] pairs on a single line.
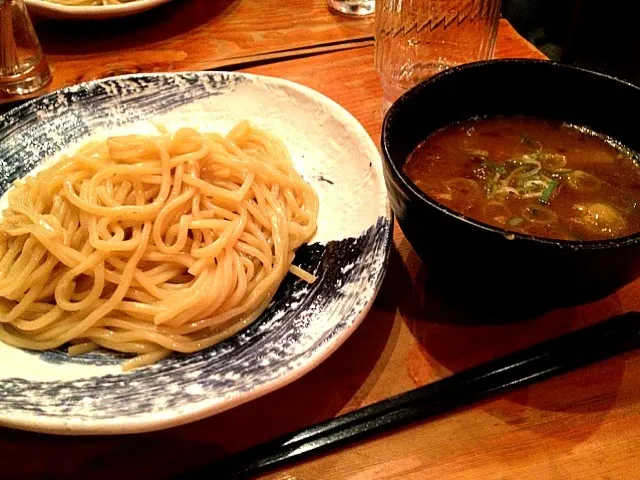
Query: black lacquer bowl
[[484, 266]]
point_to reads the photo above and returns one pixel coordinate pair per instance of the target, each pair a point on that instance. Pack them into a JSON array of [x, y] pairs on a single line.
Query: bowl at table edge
[[488, 268]]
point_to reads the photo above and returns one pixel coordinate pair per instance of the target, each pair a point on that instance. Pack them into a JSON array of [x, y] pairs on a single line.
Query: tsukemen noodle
[[150, 244], [532, 176]]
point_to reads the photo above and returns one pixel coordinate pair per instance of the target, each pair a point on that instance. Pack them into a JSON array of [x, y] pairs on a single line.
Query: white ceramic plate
[[51, 392], [42, 8]]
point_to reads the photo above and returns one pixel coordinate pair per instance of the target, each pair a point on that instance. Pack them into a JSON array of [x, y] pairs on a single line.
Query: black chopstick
[[546, 359]]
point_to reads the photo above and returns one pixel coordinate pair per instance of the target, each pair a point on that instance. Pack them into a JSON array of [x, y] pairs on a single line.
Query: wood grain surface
[[583, 425], [194, 35], [351, 79]]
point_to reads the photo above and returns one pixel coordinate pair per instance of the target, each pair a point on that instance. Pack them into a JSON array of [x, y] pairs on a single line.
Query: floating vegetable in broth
[[532, 176]]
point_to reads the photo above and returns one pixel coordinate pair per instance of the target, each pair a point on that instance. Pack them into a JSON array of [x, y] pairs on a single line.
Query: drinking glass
[[23, 68], [415, 39], [353, 7]]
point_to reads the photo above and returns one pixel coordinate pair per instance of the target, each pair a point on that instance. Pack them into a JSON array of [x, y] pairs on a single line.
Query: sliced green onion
[[546, 194], [514, 222], [498, 168], [526, 176]]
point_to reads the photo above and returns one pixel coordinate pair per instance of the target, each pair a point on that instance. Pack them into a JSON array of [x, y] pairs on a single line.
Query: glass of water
[[353, 7], [415, 39], [23, 68]]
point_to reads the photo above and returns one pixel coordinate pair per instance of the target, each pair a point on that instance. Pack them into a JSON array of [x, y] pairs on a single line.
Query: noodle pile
[[151, 244]]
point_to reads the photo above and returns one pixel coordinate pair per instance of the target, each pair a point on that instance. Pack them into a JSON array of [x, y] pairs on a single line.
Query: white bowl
[[42, 8], [89, 394]]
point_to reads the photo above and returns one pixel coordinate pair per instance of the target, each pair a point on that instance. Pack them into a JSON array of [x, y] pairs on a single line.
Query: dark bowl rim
[[407, 183]]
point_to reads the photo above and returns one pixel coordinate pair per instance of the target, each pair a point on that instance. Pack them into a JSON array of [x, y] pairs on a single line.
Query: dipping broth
[[532, 176]]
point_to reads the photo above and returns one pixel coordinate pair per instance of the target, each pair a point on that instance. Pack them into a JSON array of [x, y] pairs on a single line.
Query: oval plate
[[46, 9], [89, 394]]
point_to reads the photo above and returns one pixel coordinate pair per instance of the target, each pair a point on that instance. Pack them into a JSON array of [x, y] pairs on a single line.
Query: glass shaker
[[23, 68]]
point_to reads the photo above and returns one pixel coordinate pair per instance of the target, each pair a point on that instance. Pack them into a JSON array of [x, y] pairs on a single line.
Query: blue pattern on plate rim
[[280, 342]]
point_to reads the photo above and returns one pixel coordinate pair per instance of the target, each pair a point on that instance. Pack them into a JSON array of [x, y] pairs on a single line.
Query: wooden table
[[581, 425]]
